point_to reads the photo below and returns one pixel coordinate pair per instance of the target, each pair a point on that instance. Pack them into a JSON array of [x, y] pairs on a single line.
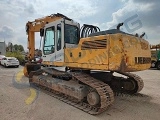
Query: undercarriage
[[92, 92]]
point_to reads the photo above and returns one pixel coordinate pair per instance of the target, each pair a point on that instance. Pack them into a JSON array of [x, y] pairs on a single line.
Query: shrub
[[17, 55]]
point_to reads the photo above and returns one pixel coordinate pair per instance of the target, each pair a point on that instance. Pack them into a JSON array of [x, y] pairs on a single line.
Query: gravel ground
[[17, 102]]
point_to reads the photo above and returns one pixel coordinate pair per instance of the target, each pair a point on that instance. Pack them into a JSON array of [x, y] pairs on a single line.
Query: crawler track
[[135, 80], [103, 90]]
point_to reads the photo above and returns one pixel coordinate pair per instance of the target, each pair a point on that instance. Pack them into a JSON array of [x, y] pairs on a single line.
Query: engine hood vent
[[95, 44]]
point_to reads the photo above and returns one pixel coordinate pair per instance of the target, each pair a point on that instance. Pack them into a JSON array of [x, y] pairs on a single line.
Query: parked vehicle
[[10, 61], [155, 58], [1, 56], [38, 59]]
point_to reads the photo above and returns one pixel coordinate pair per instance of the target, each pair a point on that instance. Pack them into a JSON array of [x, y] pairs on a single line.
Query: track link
[[104, 90]]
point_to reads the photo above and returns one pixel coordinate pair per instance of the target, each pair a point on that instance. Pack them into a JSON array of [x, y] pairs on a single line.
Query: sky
[[138, 16]]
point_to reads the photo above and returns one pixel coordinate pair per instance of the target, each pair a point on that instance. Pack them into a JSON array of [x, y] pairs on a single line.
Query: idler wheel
[[93, 98]]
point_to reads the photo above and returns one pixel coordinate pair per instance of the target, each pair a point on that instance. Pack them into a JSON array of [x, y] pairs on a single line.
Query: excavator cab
[[58, 32], [57, 36]]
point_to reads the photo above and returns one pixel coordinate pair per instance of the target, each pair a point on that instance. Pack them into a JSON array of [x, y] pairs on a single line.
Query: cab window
[[49, 41], [59, 37], [71, 34]]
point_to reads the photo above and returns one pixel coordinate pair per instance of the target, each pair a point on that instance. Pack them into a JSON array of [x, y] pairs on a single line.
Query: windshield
[[12, 58], [71, 34]]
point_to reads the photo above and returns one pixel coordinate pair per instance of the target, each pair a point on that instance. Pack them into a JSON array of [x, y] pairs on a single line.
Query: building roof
[[2, 41]]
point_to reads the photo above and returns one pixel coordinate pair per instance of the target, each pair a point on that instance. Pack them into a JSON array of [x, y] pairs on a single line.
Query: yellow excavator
[[92, 59]]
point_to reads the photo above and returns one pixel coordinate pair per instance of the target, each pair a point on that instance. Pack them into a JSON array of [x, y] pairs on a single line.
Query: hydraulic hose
[[86, 30]]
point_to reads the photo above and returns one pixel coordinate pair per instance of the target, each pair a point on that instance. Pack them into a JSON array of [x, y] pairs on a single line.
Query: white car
[[10, 61], [1, 56]]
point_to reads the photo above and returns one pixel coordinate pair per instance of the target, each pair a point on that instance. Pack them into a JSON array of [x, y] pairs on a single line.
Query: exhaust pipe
[[119, 25]]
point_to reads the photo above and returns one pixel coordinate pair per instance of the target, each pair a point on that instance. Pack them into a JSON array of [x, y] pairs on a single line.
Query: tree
[[20, 48], [16, 47]]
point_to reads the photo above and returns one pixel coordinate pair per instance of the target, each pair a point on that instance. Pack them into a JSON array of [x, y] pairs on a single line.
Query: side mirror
[[41, 32]]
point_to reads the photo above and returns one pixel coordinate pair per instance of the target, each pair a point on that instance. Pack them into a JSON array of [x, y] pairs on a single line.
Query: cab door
[[59, 56], [53, 43]]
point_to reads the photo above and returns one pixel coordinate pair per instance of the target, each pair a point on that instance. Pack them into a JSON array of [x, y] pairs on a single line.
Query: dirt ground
[[19, 102]]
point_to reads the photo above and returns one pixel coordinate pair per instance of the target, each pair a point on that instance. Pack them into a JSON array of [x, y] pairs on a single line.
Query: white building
[[2, 48]]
